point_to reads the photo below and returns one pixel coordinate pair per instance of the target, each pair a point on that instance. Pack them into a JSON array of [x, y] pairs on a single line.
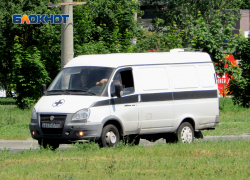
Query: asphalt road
[[17, 145]]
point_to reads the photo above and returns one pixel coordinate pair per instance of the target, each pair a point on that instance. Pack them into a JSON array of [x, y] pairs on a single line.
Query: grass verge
[[14, 123], [7, 101], [199, 160], [234, 120]]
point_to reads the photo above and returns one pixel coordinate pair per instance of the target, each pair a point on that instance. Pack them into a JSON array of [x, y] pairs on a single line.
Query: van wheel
[[110, 136], [186, 132], [48, 144]]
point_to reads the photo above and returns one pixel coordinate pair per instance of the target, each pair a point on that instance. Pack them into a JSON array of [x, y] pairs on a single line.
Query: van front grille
[[56, 118], [51, 119]]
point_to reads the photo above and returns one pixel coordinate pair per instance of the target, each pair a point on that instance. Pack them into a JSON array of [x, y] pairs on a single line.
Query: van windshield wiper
[[80, 90], [58, 90]]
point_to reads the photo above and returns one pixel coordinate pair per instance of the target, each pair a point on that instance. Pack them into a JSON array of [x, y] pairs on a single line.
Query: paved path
[[18, 145]]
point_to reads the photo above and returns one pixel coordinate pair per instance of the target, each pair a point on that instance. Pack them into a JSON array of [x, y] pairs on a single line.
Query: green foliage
[[181, 11], [105, 26], [214, 38], [99, 27], [245, 4], [202, 25], [29, 74], [37, 42], [239, 85], [92, 48], [165, 40]]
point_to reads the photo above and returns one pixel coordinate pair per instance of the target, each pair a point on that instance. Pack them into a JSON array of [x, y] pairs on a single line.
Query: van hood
[[65, 103]]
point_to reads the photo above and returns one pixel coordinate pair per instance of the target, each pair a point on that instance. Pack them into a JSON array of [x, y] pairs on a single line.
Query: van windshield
[[80, 80]]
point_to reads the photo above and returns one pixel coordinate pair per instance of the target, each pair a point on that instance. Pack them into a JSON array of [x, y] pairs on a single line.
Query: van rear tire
[[185, 132], [110, 136]]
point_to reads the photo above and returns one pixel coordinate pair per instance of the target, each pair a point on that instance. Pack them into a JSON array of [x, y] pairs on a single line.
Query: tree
[[214, 38], [105, 26], [180, 11], [239, 85], [29, 73], [203, 25], [245, 4], [26, 49], [42, 38]]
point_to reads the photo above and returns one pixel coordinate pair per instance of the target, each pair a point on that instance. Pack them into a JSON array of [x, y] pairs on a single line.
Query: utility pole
[[135, 16], [67, 40], [134, 40], [67, 43]]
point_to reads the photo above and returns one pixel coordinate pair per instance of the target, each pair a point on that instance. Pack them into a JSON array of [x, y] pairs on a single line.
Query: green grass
[[7, 101], [199, 160], [14, 122], [234, 120]]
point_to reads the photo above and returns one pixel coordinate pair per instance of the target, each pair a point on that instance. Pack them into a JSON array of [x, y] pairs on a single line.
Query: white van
[[107, 97]]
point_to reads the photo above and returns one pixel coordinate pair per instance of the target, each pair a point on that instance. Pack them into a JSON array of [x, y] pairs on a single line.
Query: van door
[[155, 99], [125, 107]]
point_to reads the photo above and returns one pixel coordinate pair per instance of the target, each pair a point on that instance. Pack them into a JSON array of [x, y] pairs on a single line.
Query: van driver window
[[126, 79]]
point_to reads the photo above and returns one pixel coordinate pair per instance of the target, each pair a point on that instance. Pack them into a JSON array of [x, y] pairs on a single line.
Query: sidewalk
[[18, 145]]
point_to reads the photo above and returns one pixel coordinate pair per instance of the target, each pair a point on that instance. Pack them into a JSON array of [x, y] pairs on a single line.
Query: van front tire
[[186, 132], [110, 136]]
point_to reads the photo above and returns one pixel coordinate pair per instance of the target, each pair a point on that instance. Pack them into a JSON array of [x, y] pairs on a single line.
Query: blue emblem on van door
[[58, 103]]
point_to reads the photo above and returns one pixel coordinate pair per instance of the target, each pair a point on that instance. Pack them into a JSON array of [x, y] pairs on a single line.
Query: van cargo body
[[112, 97]]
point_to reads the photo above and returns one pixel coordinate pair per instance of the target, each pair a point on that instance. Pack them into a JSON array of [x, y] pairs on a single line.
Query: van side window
[[184, 76], [154, 78], [126, 79], [207, 80]]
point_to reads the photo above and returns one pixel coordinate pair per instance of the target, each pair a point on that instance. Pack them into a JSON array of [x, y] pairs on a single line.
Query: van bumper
[[70, 132]]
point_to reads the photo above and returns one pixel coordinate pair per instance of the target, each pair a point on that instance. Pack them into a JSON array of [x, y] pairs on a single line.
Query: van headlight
[[33, 114], [83, 114]]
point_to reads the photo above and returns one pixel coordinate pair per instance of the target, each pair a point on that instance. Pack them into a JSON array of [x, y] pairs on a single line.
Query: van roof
[[135, 59]]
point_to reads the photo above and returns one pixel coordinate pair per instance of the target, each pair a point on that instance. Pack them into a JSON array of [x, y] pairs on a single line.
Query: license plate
[[51, 125]]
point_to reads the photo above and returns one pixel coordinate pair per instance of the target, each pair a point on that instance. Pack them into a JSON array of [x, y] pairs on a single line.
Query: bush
[[239, 85], [30, 73]]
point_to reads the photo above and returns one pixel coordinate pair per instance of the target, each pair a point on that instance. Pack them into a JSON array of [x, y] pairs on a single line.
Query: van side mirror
[[43, 89], [118, 91]]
